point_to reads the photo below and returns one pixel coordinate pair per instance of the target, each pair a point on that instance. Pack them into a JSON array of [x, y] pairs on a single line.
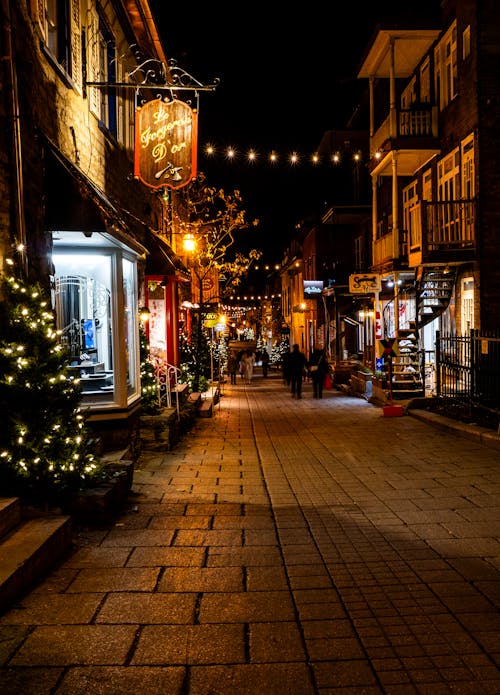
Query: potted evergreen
[[46, 451]]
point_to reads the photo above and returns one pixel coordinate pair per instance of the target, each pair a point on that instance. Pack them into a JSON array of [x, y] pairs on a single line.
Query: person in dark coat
[[285, 366], [318, 369], [297, 364], [232, 366], [265, 363]]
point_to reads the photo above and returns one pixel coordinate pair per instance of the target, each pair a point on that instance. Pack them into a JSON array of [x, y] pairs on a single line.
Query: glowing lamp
[[144, 314]]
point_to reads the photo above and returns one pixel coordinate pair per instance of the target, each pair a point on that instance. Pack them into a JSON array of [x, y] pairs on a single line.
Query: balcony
[[389, 250], [413, 135], [442, 232]]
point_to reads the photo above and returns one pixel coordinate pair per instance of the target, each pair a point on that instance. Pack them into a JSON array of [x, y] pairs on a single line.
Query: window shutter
[[37, 8], [94, 71], [76, 45]]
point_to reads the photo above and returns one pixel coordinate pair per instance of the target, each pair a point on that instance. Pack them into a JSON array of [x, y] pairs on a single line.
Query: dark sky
[[286, 77]]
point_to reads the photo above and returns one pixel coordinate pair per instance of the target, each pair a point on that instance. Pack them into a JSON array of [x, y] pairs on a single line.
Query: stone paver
[[297, 547]]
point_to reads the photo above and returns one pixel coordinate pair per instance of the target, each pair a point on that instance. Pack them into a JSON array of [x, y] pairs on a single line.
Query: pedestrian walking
[[265, 363], [318, 368], [298, 365], [248, 363], [232, 366], [285, 367]]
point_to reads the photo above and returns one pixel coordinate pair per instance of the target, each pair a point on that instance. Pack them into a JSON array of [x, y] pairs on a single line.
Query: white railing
[[167, 380]]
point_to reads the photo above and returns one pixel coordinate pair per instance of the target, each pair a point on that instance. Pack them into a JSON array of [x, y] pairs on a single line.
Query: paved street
[[283, 547]]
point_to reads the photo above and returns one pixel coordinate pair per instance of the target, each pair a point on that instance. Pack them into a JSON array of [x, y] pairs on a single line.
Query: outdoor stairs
[[434, 290], [406, 368], [425, 301], [29, 547]]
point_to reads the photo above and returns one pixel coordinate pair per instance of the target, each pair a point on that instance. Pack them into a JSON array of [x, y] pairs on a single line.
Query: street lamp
[[189, 243]]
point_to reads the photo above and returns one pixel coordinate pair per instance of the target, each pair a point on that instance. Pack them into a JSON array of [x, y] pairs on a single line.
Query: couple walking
[[247, 366], [297, 366]]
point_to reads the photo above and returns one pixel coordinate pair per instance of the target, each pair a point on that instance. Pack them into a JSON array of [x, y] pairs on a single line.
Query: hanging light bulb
[[144, 314], [189, 242]]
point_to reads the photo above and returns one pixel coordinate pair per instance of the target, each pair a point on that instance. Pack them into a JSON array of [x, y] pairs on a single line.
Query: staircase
[[424, 302], [434, 290], [407, 379], [28, 548]]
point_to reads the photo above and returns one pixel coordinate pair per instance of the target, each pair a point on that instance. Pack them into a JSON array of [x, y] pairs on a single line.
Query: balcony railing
[[434, 229], [411, 123], [383, 250], [415, 122], [441, 226]]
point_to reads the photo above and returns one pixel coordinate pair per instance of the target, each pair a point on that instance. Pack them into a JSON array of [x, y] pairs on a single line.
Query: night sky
[[286, 77]]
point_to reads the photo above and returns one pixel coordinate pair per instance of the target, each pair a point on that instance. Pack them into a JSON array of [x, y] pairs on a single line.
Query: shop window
[[97, 322]]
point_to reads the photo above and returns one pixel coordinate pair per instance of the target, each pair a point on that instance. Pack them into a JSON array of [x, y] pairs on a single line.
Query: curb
[[485, 436]]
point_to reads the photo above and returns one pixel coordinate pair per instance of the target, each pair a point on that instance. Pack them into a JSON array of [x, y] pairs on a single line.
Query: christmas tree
[[150, 402], [44, 445], [195, 363]]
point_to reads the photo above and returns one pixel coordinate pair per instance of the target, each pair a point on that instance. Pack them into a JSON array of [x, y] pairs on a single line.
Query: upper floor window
[[445, 59], [58, 37], [59, 24], [466, 43], [425, 82], [468, 175], [409, 95], [103, 69]]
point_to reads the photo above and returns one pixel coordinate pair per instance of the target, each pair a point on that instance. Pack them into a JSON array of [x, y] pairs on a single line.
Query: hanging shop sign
[[364, 283], [313, 288], [165, 144]]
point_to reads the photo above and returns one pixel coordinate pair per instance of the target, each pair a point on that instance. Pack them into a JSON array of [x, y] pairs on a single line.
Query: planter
[[100, 503], [380, 392], [159, 432], [361, 383]]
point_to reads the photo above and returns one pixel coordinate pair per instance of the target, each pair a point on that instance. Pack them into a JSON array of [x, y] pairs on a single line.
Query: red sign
[[165, 144]]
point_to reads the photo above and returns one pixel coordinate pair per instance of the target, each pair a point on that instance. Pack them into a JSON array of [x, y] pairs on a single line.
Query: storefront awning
[[161, 259], [74, 203]]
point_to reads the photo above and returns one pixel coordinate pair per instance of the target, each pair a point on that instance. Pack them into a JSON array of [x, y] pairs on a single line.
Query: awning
[[161, 259], [74, 203]]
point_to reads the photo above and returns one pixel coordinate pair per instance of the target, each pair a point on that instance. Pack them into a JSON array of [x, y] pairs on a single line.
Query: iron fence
[[468, 371]]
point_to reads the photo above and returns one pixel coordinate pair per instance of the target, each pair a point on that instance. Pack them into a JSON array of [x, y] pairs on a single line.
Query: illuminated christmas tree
[[150, 403], [44, 445]]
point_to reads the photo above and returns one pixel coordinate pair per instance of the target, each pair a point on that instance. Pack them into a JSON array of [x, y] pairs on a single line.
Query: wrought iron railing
[[468, 370]]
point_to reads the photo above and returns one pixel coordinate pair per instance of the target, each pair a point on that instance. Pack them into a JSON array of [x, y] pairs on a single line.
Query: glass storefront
[[95, 298]]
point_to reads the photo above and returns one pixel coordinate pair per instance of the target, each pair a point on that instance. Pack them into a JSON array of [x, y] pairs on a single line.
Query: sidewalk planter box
[[380, 392], [361, 382], [160, 432], [341, 374], [100, 503]]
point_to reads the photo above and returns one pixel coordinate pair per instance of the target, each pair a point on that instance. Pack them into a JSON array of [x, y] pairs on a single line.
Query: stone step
[[205, 408], [10, 514], [194, 398], [28, 550]]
